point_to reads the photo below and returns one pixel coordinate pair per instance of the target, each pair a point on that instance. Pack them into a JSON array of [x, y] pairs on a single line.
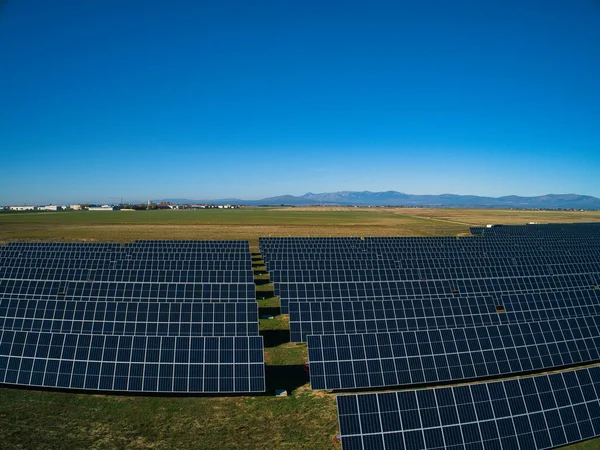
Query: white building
[[102, 208], [23, 208], [75, 207], [51, 208]]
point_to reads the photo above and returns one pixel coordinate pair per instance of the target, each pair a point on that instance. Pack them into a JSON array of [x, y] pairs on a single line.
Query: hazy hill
[[394, 198]]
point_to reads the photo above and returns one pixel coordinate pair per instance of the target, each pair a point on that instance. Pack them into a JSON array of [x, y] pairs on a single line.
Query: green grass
[[52, 420], [270, 302], [261, 277], [247, 216], [245, 223], [279, 322]]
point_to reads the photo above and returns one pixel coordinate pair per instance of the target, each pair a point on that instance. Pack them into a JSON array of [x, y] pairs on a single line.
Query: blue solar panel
[[130, 318], [352, 317], [434, 356], [133, 363], [167, 317], [127, 292], [540, 412], [317, 292]]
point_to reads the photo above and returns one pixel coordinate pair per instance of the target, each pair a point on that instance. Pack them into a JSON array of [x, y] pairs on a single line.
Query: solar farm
[[485, 340]]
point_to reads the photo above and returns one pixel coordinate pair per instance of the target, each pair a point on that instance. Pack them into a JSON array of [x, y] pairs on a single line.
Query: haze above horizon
[[142, 100]]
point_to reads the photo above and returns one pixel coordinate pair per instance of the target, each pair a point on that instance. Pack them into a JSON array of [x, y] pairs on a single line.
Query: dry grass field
[[251, 223], [303, 420]]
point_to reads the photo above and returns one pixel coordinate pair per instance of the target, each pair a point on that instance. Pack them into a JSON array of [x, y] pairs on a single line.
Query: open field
[[251, 223], [305, 419]]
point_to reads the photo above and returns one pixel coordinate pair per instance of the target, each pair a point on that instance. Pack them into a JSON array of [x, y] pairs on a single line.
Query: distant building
[[50, 208], [75, 207], [23, 208], [103, 208]]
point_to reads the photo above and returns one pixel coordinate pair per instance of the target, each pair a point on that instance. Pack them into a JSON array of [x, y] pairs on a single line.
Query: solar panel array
[[404, 312], [414, 357], [540, 412], [150, 316], [351, 317]]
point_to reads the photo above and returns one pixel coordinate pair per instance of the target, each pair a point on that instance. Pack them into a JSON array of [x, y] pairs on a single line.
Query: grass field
[[305, 419], [251, 223]]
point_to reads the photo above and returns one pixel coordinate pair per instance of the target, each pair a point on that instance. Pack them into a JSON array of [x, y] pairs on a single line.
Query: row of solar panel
[[317, 292], [536, 235], [430, 245], [433, 356], [349, 317], [349, 275], [482, 262], [188, 242], [129, 248], [428, 256], [120, 318], [501, 247], [329, 264], [468, 244], [420, 253], [316, 264], [65, 245], [175, 256], [524, 241], [139, 243], [181, 292], [63, 263], [532, 413], [126, 252], [492, 237], [52, 246], [133, 363], [125, 275]]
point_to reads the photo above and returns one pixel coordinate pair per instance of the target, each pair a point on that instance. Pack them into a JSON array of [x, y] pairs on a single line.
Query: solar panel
[[62, 263], [350, 317], [127, 275], [315, 292], [320, 264], [413, 357], [538, 412], [133, 363], [451, 262], [128, 292], [455, 273], [168, 317], [130, 318]]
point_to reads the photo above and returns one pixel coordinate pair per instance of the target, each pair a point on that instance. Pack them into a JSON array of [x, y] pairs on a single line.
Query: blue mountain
[[394, 198]]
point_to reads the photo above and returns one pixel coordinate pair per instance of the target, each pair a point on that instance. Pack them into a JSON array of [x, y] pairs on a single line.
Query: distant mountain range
[[394, 198]]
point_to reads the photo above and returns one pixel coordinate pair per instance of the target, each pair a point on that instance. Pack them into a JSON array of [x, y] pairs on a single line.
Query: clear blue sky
[[210, 99]]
